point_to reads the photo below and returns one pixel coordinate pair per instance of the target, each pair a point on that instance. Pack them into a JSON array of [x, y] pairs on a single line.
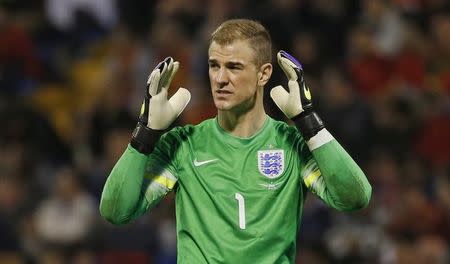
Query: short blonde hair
[[246, 29]]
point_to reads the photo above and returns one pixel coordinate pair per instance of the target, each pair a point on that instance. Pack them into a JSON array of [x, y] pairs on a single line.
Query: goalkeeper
[[240, 178]]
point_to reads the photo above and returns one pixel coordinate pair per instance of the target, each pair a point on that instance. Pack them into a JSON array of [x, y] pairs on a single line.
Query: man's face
[[234, 76]]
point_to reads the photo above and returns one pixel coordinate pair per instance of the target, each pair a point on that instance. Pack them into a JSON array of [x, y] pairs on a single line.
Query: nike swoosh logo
[[307, 92], [203, 162]]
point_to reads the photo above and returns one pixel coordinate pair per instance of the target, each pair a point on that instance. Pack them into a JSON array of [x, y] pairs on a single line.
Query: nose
[[222, 77]]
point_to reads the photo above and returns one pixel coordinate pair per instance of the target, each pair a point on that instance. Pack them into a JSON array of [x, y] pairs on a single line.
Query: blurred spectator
[[347, 116], [432, 249], [329, 20], [11, 199], [19, 66], [113, 140], [306, 45], [62, 13], [65, 220], [369, 71], [397, 121], [410, 61], [440, 66], [386, 25]]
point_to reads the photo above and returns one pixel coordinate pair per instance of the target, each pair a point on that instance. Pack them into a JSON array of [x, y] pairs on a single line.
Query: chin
[[222, 105]]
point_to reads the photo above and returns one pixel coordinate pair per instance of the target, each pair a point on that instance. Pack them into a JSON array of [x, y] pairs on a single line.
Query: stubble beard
[[239, 107]]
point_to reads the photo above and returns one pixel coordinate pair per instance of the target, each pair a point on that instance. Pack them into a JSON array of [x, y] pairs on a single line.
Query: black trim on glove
[[144, 138], [308, 123]]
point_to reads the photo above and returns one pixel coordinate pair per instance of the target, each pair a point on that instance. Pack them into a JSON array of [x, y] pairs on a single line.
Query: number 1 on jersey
[[241, 206]]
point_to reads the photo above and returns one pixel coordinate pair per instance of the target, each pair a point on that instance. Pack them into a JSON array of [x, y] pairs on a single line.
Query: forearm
[[122, 199], [346, 186]]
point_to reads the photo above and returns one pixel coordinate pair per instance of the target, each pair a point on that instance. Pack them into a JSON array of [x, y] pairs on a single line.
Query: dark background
[[72, 76]]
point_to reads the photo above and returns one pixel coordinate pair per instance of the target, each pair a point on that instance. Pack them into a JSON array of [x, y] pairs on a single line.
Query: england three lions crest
[[271, 162]]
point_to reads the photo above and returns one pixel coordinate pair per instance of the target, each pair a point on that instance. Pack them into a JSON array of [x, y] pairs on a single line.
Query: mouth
[[223, 92]]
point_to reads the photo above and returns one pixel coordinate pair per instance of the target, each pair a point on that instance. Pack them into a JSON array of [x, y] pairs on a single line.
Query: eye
[[235, 66], [213, 65]]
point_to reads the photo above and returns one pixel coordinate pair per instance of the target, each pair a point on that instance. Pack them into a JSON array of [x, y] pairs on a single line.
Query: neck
[[242, 124]]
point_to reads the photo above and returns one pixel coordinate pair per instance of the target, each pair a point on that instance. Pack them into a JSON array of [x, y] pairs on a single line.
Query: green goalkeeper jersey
[[238, 200]]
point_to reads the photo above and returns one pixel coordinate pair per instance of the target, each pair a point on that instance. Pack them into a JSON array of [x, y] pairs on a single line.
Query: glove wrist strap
[[144, 138], [308, 123]]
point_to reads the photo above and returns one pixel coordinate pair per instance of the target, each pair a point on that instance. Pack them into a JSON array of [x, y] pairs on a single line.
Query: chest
[[262, 168]]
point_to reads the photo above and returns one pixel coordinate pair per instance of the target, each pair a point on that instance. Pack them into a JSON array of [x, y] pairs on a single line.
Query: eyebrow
[[233, 64], [212, 61], [228, 63]]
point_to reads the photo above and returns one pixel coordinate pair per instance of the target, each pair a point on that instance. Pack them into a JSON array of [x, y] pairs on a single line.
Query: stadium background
[[72, 74]]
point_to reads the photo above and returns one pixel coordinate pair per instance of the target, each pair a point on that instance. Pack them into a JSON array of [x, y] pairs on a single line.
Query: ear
[[265, 71]]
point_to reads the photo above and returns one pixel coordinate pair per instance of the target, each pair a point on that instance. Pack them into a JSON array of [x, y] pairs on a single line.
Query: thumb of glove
[[288, 103], [179, 101]]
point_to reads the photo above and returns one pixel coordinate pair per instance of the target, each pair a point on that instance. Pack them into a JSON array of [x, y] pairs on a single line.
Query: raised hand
[[158, 112], [296, 103]]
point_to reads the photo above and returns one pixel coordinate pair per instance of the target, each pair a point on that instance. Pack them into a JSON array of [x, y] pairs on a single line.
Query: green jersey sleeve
[[122, 199], [330, 173], [160, 173], [138, 182]]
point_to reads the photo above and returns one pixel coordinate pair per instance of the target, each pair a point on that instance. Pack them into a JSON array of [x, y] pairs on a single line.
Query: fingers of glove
[[176, 65], [153, 82], [159, 67], [180, 100], [290, 66], [166, 74], [173, 68], [157, 111], [163, 64], [291, 58], [157, 76]]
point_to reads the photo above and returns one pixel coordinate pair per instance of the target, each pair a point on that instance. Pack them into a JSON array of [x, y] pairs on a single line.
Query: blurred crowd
[[72, 77]]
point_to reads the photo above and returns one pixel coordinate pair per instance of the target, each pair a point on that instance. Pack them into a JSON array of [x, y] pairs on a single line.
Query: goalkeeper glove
[[296, 104], [157, 112]]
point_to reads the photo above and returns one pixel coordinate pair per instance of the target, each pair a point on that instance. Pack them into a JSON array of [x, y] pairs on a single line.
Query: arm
[[122, 197], [140, 179], [138, 182], [335, 177], [329, 172]]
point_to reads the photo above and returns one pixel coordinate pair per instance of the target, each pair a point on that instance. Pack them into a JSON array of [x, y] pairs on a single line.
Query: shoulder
[[288, 132], [284, 128]]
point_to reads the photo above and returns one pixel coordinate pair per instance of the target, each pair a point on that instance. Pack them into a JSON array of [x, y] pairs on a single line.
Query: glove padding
[[298, 99], [157, 112]]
